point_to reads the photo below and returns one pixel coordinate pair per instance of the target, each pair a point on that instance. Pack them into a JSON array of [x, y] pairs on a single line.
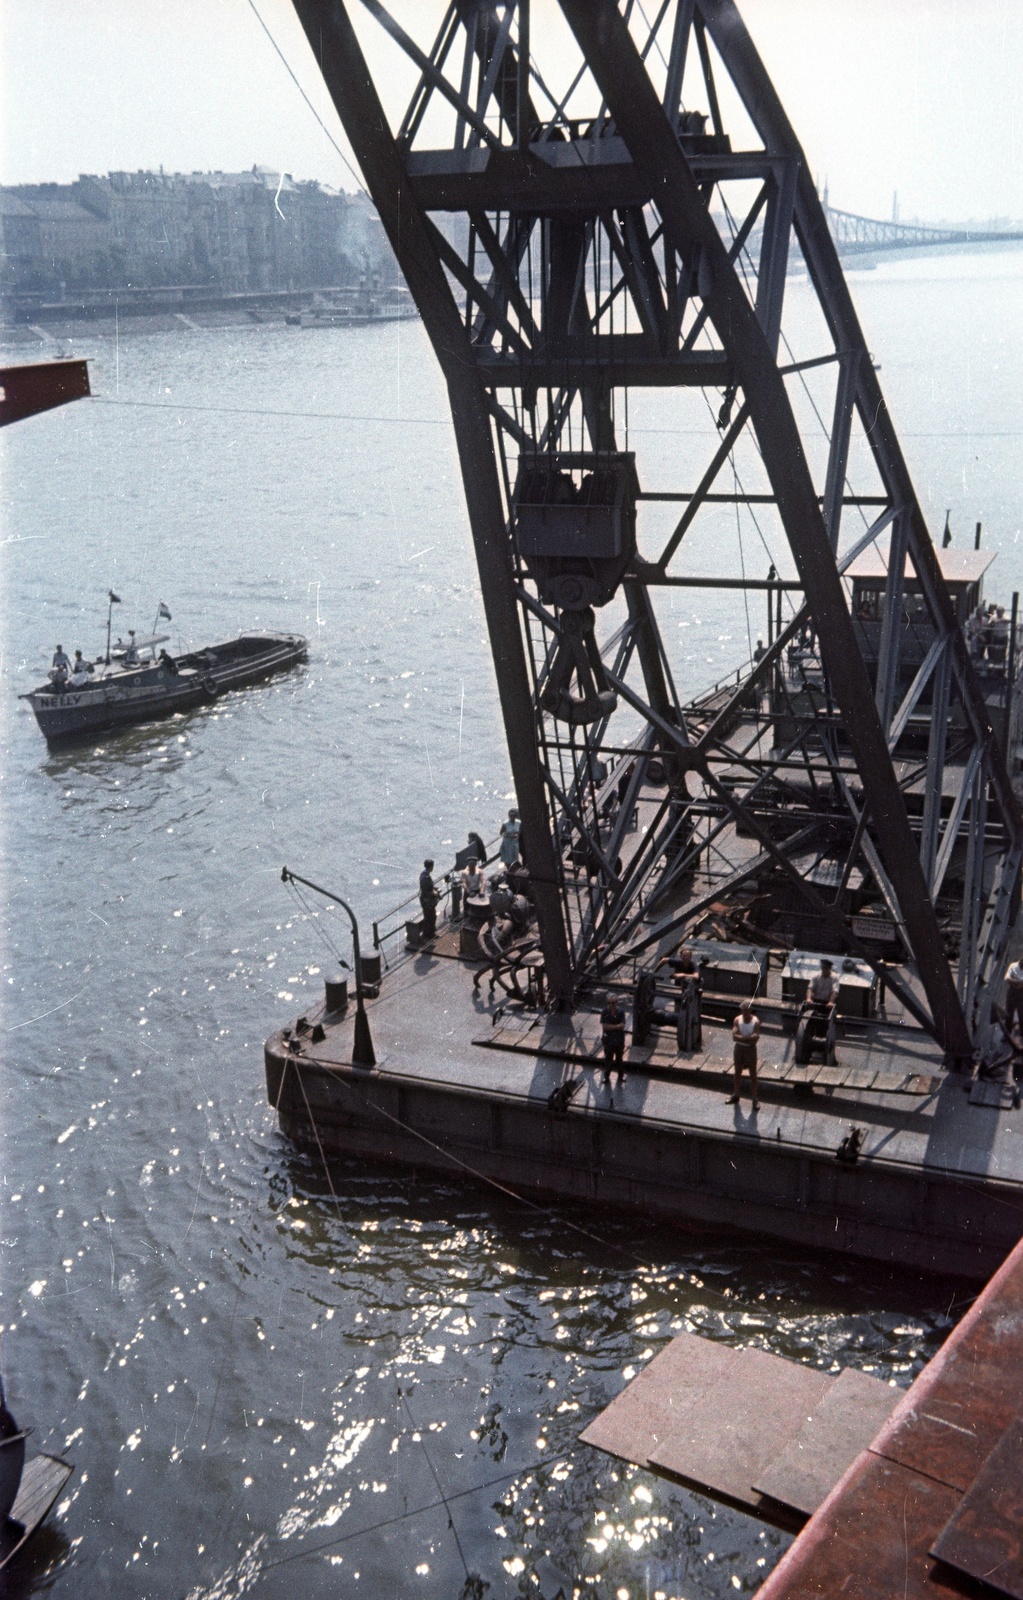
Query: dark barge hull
[[150, 693], [685, 1175]]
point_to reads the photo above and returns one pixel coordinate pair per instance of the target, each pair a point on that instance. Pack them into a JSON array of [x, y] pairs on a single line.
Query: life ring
[[208, 684]]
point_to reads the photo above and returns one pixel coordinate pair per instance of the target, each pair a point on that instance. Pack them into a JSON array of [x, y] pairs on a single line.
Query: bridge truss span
[[586, 213], [871, 236]]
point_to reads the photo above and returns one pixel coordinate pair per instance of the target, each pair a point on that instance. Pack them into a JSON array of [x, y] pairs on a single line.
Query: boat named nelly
[[140, 681]]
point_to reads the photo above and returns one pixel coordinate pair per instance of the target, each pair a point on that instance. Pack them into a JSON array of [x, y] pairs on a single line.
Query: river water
[[267, 1389]]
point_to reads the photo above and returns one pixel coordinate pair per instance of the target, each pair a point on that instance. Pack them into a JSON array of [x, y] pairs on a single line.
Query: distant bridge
[[868, 236]]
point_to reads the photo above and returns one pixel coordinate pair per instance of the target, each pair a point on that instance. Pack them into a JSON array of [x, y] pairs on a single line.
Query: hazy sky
[[918, 96]]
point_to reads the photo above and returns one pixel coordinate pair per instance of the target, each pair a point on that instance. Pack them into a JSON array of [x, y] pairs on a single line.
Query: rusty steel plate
[[984, 1536], [726, 1442], [675, 1381], [27, 390], [844, 1423]]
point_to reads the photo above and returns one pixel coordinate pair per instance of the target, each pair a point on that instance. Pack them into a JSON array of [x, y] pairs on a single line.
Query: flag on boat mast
[[163, 612], [115, 600]]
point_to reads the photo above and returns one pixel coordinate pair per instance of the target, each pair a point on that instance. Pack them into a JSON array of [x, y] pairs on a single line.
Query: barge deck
[[463, 1084]]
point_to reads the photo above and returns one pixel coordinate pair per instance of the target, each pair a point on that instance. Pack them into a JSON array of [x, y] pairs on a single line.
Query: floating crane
[[613, 213]]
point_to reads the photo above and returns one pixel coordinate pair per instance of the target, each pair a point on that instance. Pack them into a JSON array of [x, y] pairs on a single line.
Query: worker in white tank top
[[745, 1034]]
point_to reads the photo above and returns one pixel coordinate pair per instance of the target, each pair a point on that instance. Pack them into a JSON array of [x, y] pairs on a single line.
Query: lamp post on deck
[[362, 1044]]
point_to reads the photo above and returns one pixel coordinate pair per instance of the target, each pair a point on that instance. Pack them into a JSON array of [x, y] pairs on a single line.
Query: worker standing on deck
[[612, 1027], [1014, 995], [511, 836], [975, 635], [745, 1035], [686, 977], [998, 637], [822, 990], [474, 882], [476, 844], [428, 898]]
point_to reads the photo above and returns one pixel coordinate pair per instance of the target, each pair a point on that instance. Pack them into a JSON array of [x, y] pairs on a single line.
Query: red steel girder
[[41, 386]]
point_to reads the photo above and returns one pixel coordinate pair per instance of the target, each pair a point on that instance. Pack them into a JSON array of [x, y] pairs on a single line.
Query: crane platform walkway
[[461, 1084]]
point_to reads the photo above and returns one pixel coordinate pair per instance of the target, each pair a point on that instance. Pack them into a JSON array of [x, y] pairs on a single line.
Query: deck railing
[[392, 923]]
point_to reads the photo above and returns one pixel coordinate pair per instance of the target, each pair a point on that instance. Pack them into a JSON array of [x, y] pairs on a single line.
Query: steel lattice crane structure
[[621, 217]]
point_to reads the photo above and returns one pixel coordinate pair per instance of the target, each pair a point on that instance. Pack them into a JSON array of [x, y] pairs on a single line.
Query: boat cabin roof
[[958, 567]]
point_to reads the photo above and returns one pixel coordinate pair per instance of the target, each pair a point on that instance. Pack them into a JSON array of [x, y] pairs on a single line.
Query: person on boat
[[474, 881], [60, 667], [823, 990], [687, 979], [131, 655], [80, 671], [428, 898], [612, 1038], [682, 965], [975, 635], [494, 936], [476, 843], [511, 838], [745, 1035], [998, 637]]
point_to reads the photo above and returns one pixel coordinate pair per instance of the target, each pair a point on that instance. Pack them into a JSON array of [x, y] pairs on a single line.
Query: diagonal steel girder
[[640, 119], [336, 47], [819, 252]]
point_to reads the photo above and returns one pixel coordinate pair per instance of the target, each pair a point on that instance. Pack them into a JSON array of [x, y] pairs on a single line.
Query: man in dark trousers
[[428, 898], [612, 1024]]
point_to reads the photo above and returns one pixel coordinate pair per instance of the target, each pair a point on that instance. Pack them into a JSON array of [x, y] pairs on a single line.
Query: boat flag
[[163, 612], [115, 599]]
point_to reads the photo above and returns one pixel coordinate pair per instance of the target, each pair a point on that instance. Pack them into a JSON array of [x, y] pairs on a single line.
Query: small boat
[[27, 1488], [356, 309], [138, 681], [346, 316]]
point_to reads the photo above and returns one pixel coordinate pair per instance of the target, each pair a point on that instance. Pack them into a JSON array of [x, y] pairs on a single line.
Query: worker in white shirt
[[474, 881], [745, 1036]]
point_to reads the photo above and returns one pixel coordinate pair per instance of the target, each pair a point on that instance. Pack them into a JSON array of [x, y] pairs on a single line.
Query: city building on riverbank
[[239, 232]]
